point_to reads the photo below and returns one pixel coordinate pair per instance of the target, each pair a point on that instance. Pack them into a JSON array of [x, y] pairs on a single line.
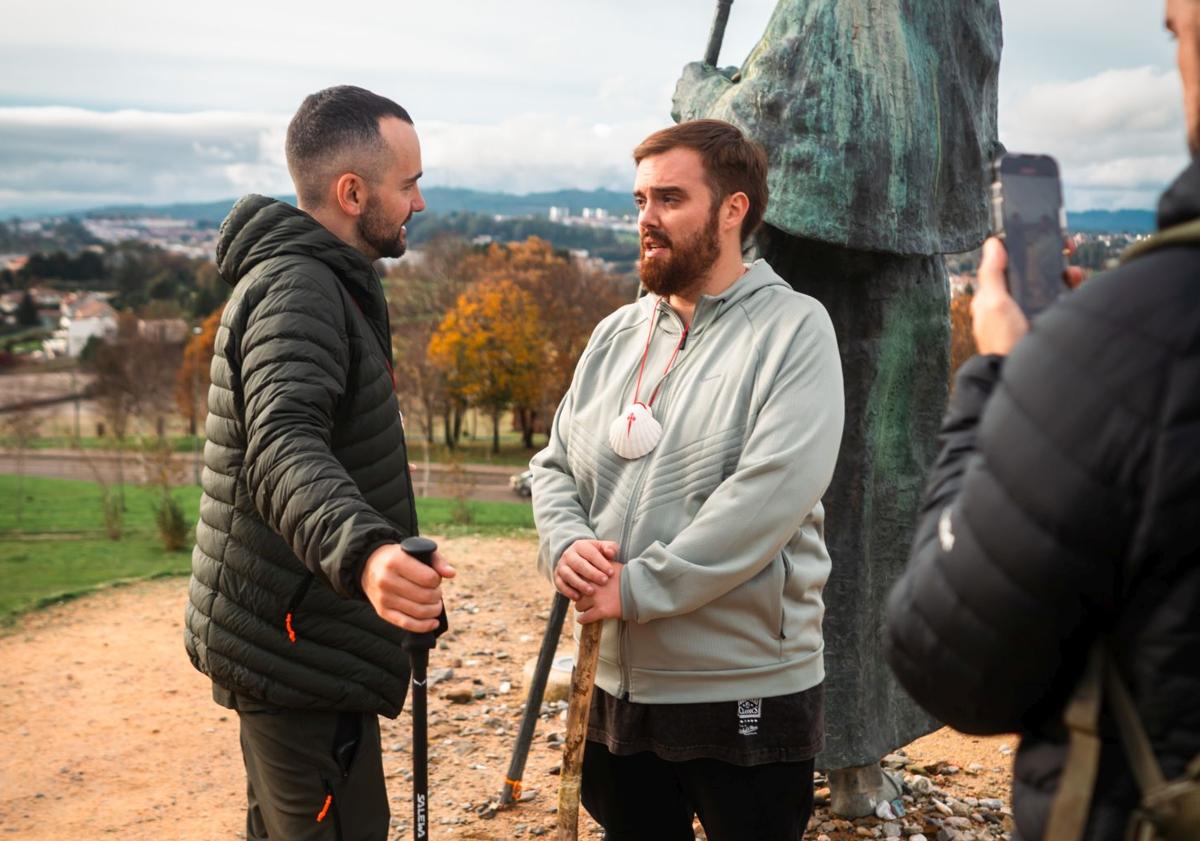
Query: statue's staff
[[718, 33]]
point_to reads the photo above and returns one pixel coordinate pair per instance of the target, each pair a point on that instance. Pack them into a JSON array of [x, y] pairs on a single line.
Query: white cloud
[[1118, 135], [73, 158], [532, 152], [514, 96]]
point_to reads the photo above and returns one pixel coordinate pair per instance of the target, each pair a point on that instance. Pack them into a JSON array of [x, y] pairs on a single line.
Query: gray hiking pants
[[312, 776]]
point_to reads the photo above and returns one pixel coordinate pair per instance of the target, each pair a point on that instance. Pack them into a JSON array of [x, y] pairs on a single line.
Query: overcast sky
[[141, 101]]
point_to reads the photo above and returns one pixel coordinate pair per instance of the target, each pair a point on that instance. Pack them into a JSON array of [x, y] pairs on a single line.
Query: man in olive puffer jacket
[[300, 596]]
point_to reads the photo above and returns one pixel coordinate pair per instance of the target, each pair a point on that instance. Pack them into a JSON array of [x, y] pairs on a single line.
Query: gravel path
[[107, 731]]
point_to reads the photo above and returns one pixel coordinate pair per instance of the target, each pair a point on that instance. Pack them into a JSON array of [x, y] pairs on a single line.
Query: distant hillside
[[618, 248], [441, 200], [1111, 221], [447, 200], [204, 212]]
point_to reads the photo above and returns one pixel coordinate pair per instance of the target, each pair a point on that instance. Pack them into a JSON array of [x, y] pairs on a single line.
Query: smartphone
[[1027, 213]]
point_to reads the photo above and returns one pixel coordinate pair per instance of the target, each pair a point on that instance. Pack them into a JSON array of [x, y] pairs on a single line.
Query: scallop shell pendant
[[634, 432]]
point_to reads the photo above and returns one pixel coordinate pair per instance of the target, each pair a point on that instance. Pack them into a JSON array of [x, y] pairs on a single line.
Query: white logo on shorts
[[749, 712]]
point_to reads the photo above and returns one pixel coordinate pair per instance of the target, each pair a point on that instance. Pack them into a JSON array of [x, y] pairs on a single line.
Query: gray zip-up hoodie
[[720, 527]]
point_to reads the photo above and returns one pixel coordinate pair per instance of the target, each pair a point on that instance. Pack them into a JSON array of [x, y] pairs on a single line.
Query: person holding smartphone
[[1058, 537]]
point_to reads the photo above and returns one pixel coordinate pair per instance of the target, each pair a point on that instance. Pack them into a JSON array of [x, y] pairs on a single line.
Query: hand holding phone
[[997, 323]]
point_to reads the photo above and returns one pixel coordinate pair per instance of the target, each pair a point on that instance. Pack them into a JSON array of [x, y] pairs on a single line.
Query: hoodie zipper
[[627, 530]]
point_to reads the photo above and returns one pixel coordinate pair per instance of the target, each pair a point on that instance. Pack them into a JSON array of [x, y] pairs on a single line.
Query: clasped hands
[[589, 575]]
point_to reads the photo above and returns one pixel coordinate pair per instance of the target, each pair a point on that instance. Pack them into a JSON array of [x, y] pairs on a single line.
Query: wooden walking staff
[[583, 677]]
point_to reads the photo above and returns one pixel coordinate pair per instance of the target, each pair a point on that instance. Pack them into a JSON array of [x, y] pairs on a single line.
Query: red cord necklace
[[635, 431]]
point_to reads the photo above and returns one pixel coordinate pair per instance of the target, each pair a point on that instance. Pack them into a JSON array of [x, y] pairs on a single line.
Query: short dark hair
[[333, 128], [733, 163]]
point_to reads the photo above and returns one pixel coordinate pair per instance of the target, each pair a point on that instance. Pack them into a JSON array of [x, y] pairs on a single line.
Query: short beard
[[685, 265], [377, 232]]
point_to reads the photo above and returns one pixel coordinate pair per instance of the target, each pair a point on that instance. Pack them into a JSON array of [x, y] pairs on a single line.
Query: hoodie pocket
[[787, 575]]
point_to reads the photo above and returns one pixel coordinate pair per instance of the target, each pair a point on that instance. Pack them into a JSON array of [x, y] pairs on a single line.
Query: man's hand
[[996, 320], [403, 590], [585, 565], [605, 603]]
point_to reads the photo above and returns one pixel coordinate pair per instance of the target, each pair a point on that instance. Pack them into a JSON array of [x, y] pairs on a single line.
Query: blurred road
[[487, 482]]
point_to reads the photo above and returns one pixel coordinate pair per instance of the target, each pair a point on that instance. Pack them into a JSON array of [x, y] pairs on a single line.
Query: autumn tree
[[133, 378], [193, 378], [492, 348], [962, 336], [419, 296], [571, 297]]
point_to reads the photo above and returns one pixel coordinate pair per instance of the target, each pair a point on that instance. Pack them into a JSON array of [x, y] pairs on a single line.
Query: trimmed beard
[[685, 264], [376, 231]]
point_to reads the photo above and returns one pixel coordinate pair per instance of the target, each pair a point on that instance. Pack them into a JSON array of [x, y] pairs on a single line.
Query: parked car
[[522, 483]]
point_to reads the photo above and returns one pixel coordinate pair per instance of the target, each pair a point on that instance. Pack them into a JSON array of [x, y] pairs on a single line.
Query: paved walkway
[[490, 482]]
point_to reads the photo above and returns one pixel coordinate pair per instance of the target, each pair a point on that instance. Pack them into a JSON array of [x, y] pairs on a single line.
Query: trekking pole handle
[[422, 548]]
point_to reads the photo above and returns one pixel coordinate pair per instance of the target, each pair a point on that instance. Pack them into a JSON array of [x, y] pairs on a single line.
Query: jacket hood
[[1181, 202], [259, 228], [758, 276]]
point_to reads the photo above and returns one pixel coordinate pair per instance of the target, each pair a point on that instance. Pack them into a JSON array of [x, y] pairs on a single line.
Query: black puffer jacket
[[1065, 505], [305, 473]]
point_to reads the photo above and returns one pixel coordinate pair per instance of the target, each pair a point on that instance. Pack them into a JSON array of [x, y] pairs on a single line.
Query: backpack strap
[[1133, 735], [1072, 803]]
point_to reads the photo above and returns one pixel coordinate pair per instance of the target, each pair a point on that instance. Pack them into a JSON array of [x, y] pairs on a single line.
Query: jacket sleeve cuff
[[352, 574], [973, 384]]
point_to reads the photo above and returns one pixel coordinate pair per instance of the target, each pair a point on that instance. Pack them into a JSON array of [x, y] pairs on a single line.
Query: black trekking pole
[[417, 646], [533, 702], [717, 35]]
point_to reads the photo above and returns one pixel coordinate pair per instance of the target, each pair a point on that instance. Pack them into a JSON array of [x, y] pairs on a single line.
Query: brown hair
[[733, 163], [335, 130]]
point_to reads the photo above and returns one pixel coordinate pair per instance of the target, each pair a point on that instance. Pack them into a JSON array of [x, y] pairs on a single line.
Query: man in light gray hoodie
[[679, 502]]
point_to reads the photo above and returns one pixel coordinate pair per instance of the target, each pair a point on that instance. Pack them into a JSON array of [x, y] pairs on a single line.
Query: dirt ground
[[107, 731]]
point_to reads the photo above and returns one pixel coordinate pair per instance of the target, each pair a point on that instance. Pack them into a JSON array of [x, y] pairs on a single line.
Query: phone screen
[[1031, 202]]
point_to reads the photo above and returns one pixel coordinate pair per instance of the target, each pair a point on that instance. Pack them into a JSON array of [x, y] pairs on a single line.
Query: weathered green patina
[[889, 312], [879, 120], [879, 117]]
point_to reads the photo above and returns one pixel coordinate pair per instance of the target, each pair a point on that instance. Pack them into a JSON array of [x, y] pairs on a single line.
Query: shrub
[[172, 527]]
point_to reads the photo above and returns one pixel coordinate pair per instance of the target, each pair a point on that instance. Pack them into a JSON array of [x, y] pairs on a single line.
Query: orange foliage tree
[[193, 379], [491, 348], [571, 297], [419, 296], [962, 337]]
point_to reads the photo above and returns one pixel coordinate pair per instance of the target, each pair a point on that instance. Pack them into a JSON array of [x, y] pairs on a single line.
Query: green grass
[[58, 550], [35, 573], [178, 443], [470, 450], [477, 450], [67, 506]]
